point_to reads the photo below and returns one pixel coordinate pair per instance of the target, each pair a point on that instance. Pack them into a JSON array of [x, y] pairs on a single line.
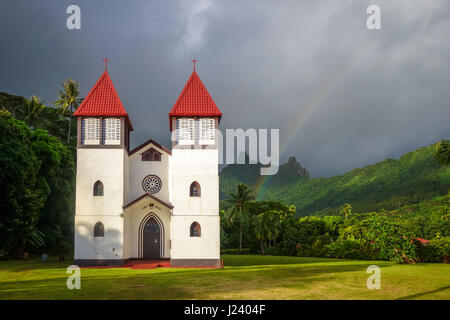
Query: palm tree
[[261, 229], [239, 202], [68, 100], [267, 227], [33, 109], [273, 226]]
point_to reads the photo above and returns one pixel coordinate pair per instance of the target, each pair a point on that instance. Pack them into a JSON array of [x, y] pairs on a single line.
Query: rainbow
[[310, 107]]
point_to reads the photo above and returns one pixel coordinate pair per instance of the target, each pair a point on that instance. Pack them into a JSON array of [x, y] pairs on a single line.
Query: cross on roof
[[194, 61], [106, 63]]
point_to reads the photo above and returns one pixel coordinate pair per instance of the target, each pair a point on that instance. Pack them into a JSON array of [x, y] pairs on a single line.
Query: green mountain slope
[[426, 218], [290, 172], [389, 184]]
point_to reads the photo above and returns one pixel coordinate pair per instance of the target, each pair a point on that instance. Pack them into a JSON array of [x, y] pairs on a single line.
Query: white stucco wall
[[122, 178], [195, 165], [140, 169], [89, 247], [206, 204], [186, 247], [195, 161], [199, 165], [106, 165], [134, 215], [126, 178]]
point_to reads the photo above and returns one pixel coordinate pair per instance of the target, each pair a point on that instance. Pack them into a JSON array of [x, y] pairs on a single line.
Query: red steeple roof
[[103, 100], [194, 100]]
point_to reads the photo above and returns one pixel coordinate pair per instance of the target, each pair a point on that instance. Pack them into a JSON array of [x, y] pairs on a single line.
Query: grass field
[[244, 277]]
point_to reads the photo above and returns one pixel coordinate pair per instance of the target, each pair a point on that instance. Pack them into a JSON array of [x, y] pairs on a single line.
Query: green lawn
[[244, 277]]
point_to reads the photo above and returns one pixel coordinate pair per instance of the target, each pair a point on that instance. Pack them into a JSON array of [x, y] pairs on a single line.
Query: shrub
[[437, 250], [388, 239], [351, 249], [236, 251], [304, 250]]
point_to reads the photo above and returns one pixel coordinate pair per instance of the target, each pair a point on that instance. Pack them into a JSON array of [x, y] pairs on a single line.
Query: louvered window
[[111, 131], [206, 130], [90, 131], [185, 130]]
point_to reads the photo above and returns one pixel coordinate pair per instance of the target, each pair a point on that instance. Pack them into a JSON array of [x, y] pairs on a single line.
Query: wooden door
[[152, 239]]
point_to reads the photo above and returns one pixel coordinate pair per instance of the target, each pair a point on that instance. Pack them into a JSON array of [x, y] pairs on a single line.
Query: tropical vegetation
[[37, 177], [400, 235], [383, 211], [390, 184]]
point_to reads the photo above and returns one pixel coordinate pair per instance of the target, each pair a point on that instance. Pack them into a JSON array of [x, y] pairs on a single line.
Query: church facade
[[149, 202]]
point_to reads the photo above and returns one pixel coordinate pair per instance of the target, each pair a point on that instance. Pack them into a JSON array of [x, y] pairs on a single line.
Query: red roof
[[422, 241], [194, 100], [103, 100]]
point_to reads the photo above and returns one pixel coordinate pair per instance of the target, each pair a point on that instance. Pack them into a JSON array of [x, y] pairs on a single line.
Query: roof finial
[[194, 61], [106, 63]]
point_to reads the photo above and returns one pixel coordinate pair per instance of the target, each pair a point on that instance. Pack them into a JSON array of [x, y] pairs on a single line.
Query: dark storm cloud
[[342, 96]]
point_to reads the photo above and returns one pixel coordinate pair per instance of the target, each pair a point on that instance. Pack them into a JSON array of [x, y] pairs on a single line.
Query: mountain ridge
[[388, 184]]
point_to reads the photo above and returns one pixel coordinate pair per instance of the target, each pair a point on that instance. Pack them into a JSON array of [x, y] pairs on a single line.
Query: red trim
[[146, 143], [168, 205]]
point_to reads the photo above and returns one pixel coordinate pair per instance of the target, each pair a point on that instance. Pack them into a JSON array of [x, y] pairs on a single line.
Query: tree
[[261, 225], [274, 226], [36, 185], [442, 154], [346, 211], [36, 115], [239, 201], [68, 100], [34, 108], [377, 235], [267, 227], [22, 192]]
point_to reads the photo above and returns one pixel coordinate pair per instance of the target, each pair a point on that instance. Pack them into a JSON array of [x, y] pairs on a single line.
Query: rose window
[[151, 184]]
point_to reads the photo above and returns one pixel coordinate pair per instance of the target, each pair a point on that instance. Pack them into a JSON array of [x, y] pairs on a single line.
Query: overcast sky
[[342, 96]]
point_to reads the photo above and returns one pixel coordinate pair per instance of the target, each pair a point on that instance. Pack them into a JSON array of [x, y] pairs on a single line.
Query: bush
[[304, 250], [351, 249], [236, 251], [276, 251], [388, 239], [437, 250]]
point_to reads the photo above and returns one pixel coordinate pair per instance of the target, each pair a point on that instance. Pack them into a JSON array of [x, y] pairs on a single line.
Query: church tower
[[102, 161], [195, 222]]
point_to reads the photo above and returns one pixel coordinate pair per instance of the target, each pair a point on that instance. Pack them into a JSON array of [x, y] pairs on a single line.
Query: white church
[[150, 202]]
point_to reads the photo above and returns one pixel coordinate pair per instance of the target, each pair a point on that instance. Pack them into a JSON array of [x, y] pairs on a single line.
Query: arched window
[[156, 156], [196, 231], [99, 230], [146, 156], [195, 189], [98, 188], [151, 155]]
